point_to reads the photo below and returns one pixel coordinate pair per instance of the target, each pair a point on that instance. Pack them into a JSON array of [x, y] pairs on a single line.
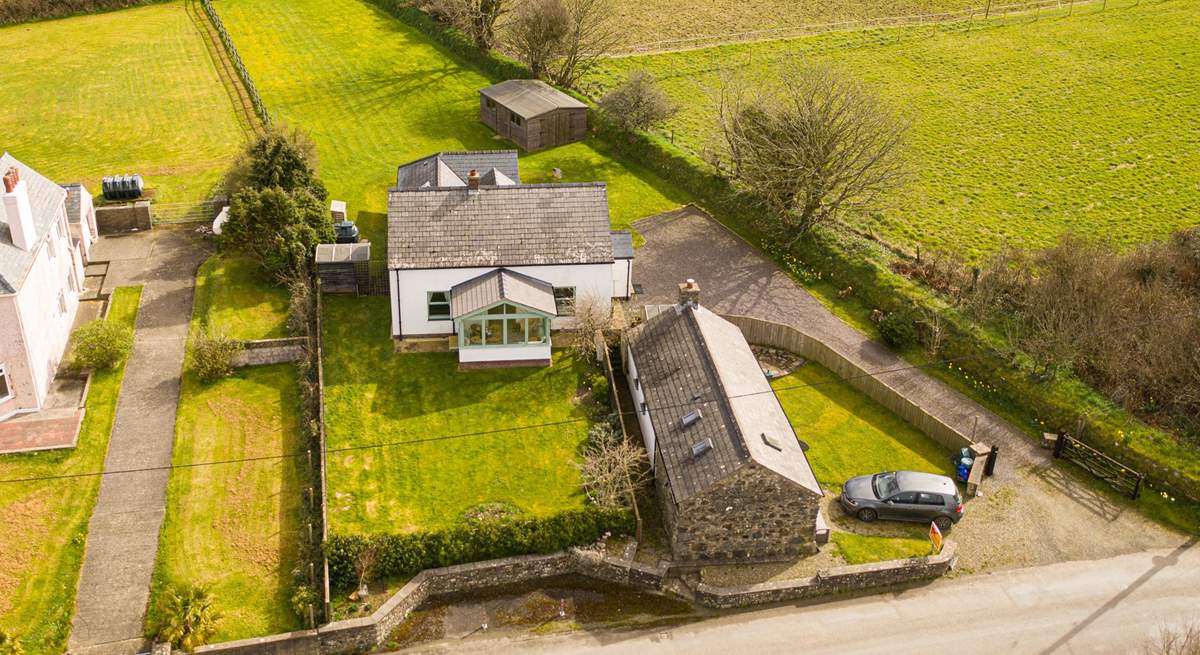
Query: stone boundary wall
[[261, 352], [841, 579], [114, 219], [785, 337], [366, 633]]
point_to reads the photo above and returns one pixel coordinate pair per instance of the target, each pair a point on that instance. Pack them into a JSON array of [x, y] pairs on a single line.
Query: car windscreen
[[884, 485]]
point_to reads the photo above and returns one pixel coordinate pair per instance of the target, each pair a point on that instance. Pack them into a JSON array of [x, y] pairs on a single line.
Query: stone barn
[[731, 477], [532, 114]]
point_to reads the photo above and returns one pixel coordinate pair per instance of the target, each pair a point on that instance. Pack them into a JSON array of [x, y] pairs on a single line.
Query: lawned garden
[[46, 522], [375, 93], [132, 91], [234, 527], [1019, 132], [416, 445]]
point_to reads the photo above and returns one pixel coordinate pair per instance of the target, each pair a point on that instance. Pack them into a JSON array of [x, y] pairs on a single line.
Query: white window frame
[[9, 394], [504, 316], [564, 306], [429, 305]]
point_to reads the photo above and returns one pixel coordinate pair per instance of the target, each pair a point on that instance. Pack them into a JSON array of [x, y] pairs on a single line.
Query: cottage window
[[516, 120], [503, 325], [564, 301], [5, 387], [62, 303], [438, 303], [491, 104]]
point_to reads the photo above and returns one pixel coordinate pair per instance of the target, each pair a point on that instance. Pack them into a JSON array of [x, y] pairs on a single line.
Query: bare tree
[[613, 468], [810, 142], [592, 315], [562, 40], [1181, 641], [638, 103], [477, 18], [364, 565]]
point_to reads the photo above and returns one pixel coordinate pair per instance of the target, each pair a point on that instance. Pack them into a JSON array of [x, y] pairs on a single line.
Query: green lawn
[[1020, 132], [46, 523], [374, 396], [864, 549], [234, 298], [131, 91], [236, 527], [848, 433], [375, 93]]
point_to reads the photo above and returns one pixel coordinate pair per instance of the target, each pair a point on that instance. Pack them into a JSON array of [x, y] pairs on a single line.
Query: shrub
[[278, 228], [10, 644], [186, 617], [212, 356], [638, 103], [101, 344], [410, 553], [300, 307], [898, 329], [601, 392], [303, 597]]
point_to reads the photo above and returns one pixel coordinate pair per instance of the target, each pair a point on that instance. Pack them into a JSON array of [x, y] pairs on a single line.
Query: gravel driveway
[[1032, 512]]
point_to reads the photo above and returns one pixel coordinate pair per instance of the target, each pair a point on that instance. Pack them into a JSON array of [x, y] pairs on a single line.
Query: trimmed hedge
[[853, 261], [408, 554], [26, 11]]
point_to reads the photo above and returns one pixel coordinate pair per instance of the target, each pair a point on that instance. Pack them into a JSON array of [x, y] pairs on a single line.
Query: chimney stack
[[689, 293], [473, 180], [16, 210]]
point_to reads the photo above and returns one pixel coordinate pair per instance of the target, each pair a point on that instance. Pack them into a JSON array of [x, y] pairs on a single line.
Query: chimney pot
[[473, 180], [689, 293], [11, 178]]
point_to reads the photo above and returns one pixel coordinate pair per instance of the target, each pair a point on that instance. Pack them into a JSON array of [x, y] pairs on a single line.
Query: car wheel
[[943, 523], [867, 515]]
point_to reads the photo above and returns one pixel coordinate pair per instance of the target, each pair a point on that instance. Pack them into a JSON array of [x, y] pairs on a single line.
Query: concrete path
[[123, 534], [735, 278], [1115, 605]]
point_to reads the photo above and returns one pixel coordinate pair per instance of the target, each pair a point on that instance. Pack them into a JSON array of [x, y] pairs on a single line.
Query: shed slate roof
[[501, 285], [530, 224], [622, 243], [688, 358], [530, 98], [45, 198], [449, 169]]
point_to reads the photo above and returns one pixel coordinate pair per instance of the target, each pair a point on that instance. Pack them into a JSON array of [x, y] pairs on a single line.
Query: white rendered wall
[[504, 353], [622, 270], [643, 417], [410, 289]]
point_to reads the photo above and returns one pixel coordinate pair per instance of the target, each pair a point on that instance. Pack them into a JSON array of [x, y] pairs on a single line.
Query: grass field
[[848, 433], [235, 527], [375, 93], [1020, 132], [132, 91], [373, 395], [233, 298], [46, 523]]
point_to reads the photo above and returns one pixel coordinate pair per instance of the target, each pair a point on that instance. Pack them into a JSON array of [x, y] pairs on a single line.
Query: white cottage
[[476, 255], [45, 233]]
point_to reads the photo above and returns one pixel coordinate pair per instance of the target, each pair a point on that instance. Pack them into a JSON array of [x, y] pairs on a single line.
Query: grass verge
[[46, 523], [866, 549]]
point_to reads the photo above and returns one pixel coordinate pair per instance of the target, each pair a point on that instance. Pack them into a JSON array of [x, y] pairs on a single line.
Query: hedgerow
[[24, 11]]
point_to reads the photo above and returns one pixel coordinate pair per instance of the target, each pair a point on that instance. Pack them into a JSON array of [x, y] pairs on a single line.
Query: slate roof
[[688, 358], [529, 224], [45, 198], [501, 285], [530, 98], [622, 243], [449, 169], [74, 201]]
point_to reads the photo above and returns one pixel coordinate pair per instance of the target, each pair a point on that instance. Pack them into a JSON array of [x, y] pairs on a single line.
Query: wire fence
[[259, 108], [987, 11]]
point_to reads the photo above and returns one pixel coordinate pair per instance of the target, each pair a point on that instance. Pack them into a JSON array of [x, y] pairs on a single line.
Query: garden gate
[[1101, 466]]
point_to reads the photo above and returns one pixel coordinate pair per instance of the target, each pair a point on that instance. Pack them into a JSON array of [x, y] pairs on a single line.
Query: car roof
[[927, 482]]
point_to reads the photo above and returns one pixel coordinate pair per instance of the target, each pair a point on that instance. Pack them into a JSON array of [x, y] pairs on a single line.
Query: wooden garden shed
[[532, 114]]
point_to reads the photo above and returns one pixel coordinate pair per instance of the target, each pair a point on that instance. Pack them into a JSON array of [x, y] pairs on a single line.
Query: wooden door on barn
[[562, 128]]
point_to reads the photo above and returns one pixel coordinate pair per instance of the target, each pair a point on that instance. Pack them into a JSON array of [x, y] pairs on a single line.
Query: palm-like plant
[[10, 644], [188, 617]]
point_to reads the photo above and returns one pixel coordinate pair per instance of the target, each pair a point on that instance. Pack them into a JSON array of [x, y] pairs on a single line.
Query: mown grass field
[[849, 434], [132, 91], [235, 527], [376, 396], [1020, 132], [234, 299], [46, 523], [375, 93]]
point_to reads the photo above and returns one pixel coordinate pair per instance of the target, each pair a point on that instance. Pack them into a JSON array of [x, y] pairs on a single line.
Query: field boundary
[[986, 12], [235, 59]]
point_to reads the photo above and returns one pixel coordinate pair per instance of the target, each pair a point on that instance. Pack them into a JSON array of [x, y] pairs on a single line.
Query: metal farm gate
[[1102, 467]]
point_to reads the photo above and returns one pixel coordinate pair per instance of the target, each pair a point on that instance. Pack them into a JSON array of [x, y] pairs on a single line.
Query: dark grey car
[[903, 496]]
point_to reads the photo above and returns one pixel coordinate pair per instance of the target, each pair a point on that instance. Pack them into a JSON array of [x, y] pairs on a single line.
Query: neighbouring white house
[[476, 255], [45, 232]]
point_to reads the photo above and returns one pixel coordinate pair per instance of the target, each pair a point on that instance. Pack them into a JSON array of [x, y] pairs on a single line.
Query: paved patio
[[114, 585]]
